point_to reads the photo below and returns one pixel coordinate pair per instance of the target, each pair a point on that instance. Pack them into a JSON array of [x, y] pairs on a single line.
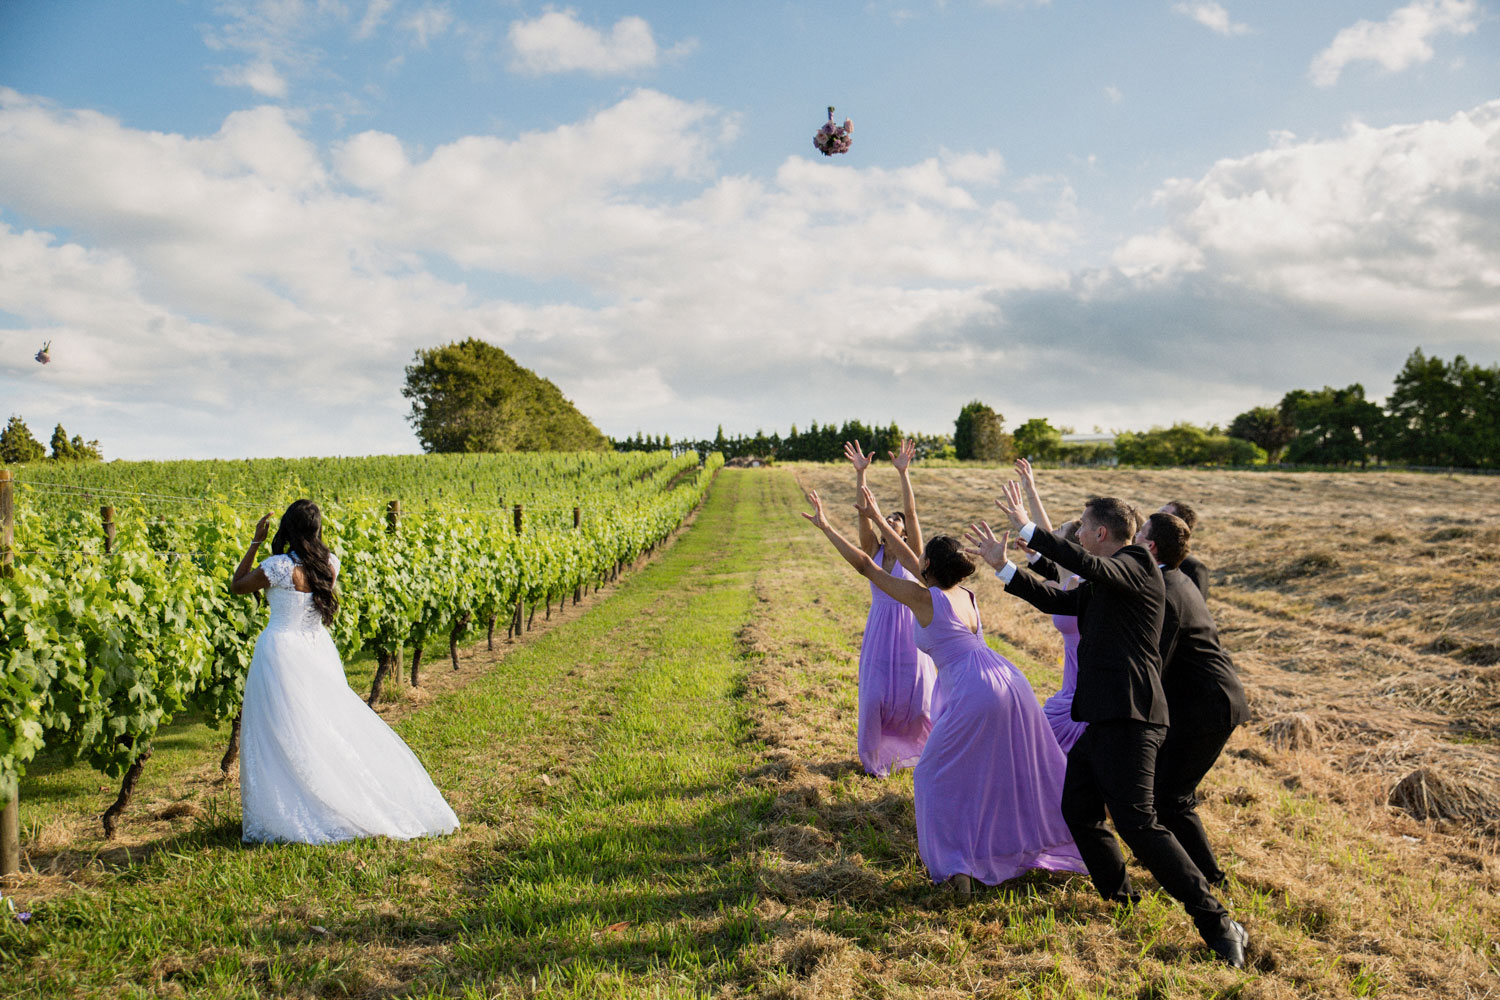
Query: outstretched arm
[[901, 459], [868, 541], [248, 577], [893, 540], [908, 592], [1033, 498], [1117, 573], [1045, 595]]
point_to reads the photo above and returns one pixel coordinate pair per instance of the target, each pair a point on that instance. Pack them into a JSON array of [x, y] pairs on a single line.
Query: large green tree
[[979, 434], [74, 449], [472, 396], [1266, 427], [1334, 426], [18, 445], [1038, 439], [1445, 414]]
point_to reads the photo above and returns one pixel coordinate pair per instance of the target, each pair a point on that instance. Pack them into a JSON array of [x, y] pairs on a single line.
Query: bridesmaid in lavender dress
[[989, 784], [1059, 707], [896, 680]]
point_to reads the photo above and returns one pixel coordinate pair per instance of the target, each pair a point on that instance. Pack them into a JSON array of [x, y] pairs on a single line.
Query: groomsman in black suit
[[1192, 567], [1120, 606], [1204, 696]]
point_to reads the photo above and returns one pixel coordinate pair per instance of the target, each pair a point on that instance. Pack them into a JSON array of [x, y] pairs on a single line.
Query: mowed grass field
[[660, 795]]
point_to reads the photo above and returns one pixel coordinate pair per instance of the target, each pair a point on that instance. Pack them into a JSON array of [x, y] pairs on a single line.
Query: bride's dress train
[[316, 764]]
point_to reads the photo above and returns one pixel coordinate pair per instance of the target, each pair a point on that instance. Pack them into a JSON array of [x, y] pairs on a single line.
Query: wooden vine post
[[107, 517], [515, 621], [10, 813], [577, 520]]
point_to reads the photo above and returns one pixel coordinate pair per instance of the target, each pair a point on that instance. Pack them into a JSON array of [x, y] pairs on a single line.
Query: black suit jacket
[[1119, 606], [1203, 691], [1192, 567]]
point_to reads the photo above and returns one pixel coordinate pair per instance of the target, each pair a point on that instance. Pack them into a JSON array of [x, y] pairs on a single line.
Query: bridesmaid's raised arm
[[893, 540], [901, 459], [909, 592], [1028, 480], [861, 462]]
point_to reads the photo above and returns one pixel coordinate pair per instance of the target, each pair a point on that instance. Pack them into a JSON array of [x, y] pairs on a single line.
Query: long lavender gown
[[896, 683], [989, 785], [1059, 707]]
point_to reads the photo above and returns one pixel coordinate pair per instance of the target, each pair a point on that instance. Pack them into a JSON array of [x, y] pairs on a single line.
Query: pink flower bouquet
[[833, 138]]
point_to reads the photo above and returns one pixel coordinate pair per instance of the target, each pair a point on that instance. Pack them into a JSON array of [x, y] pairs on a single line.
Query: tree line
[[1439, 413], [18, 445]]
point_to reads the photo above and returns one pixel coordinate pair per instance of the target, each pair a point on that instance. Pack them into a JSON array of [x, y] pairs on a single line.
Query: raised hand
[[261, 528], [984, 544], [816, 517], [1011, 506], [867, 507], [1023, 469], [856, 457], [901, 458]]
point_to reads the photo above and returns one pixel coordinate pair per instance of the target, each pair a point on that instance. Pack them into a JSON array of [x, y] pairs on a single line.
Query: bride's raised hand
[[816, 517], [856, 457], [261, 528]]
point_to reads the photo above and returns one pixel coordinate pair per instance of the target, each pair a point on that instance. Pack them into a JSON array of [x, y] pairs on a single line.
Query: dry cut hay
[[1428, 793], [1293, 731]]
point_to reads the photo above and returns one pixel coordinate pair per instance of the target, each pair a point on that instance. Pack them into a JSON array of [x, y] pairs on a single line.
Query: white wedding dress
[[316, 764]]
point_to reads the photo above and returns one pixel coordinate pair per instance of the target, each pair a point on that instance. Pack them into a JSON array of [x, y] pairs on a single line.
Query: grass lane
[[599, 774]]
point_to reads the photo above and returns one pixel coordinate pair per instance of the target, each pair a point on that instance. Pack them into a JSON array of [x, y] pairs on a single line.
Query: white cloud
[[375, 12], [428, 23], [558, 42], [1212, 16], [250, 258], [1113, 94], [1401, 221], [1400, 41]]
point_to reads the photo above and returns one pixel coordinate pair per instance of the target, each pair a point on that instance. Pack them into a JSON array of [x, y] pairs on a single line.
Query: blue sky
[[237, 221]]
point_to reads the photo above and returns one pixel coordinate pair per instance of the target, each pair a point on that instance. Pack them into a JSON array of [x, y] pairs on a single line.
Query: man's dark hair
[[1184, 510], [1115, 515], [1170, 534]]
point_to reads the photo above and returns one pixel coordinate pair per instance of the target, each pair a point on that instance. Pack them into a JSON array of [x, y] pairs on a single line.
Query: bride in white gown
[[316, 764]]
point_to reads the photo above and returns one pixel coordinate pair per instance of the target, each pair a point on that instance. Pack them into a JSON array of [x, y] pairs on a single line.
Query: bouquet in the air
[[832, 138]]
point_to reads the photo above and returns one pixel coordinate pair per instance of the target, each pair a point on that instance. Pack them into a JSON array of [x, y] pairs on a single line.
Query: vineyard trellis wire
[[114, 621]]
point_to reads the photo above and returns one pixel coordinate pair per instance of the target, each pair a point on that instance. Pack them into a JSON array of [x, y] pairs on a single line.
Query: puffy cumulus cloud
[[1401, 221], [1212, 16], [1400, 41], [558, 42], [293, 283]]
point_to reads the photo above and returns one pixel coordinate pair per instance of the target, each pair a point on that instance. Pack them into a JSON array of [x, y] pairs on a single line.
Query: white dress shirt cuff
[[1006, 572], [1028, 531], [1033, 556]]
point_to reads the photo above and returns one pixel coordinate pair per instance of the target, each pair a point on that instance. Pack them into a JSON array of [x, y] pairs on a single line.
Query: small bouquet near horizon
[[833, 138]]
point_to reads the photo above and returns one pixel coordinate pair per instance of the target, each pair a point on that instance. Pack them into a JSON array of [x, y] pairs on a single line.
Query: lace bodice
[[291, 610]]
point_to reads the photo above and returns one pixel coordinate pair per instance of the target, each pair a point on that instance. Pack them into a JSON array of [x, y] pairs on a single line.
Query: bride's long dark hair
[[301, 530]]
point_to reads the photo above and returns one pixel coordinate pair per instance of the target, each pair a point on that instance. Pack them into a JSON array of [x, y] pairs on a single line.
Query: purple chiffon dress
[[1059, 707], [989, 786], [896, 683]]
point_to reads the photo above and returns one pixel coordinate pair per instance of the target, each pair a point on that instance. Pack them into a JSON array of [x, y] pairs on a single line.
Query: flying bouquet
[[833, 138], [45, 355]]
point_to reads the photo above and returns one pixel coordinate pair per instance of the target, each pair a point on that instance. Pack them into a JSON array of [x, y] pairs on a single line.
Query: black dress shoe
[[1231, 947]]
